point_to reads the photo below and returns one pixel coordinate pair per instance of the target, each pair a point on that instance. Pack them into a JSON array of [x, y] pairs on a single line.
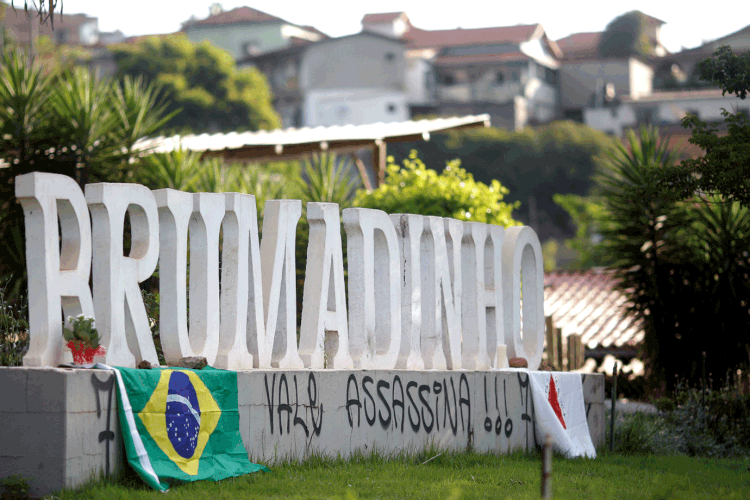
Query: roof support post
[[378, 160]]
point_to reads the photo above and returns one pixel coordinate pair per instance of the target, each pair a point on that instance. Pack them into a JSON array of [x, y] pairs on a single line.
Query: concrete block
[[45, 476], [46, 391], [13, 389], [33, 434], [593, 398]]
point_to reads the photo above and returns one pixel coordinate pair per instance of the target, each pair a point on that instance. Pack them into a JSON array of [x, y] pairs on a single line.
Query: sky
[[685, 26]]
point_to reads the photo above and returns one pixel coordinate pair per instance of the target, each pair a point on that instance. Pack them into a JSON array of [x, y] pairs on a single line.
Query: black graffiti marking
[[497, 406], [270, 397], [588, 408], [508, 428], [397, 402], [487, 420], [286, 407], [365, 380], [426, 404], [414, 427], [297, 420], [486, 408], [524, 384], [351, 402], [384, 422], [313, 398], [107, 436], [505, 397], [453, 418], [437, 389], [498, 425], [464, 400]]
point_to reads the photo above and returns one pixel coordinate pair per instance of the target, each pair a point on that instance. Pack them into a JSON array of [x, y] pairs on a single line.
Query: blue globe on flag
[[183, 415]]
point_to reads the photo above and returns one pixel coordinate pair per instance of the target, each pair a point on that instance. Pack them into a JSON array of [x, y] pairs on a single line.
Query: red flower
[[83, 354]]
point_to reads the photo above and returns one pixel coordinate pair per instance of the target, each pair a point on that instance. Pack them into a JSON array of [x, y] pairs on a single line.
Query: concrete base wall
[[60, 426]]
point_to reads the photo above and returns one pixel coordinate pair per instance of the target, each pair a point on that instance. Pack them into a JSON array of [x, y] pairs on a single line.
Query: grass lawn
[[462, 476]]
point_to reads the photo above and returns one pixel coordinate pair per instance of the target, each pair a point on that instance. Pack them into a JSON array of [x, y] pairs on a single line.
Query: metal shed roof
[[294, 142]]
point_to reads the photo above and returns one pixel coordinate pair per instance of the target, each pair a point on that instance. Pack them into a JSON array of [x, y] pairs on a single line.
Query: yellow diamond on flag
[[180, 417]]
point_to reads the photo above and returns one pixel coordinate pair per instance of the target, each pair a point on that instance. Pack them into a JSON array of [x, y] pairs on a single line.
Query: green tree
[[203, 82], [533, 163], [625, 36], [415, 189], [682, 265], [65, 122], [724, 169], [589, 216]]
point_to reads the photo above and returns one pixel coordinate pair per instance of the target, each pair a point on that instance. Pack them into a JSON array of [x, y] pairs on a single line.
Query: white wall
[[418, 73], [641, 78], [353, 106], [613, 120]]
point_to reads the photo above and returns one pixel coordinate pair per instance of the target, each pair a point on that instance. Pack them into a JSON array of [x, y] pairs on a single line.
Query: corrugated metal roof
[[586, 303], [339, 134]]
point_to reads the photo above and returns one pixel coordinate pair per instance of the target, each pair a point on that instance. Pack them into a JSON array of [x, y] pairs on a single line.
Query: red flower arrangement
[[83, 354], [83, 340]]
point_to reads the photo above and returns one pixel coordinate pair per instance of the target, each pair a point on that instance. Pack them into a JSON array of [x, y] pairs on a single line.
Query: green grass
[[461, 476]]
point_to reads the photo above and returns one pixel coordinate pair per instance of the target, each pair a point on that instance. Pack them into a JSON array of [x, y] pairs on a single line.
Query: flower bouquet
[[83, 340]]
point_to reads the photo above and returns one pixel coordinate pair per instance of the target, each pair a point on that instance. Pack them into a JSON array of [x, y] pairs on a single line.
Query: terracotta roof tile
[[480, 58], [419, 38], [580, 46], [238, 15], [382, 17], [586, 303]]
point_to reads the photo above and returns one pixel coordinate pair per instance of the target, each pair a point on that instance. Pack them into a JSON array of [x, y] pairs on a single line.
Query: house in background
[[663, 108], [70, 29], [508, 72], [676, 70], [246, 32], [356, 79]]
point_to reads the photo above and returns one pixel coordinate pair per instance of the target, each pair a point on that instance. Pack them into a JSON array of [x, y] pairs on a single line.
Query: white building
[[662, 108]]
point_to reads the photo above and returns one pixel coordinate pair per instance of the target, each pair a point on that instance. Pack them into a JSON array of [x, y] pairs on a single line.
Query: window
[[550, 76], [251, 48], [61, 35], [390, 56], [391, 108], [499, 78], [515, 76], [645, 116], [447, 80]]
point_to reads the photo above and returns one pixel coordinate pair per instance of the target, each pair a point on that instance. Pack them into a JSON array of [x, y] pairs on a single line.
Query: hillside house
[[508, 72], [246, 32], [356, 79], [69, 29]]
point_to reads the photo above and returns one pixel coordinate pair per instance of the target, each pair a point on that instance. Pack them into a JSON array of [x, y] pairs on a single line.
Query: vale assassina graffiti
[[423, 292]]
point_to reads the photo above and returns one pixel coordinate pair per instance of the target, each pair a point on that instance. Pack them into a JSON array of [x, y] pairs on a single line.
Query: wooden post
[[559, 349], [581, 352], [612, 416], [379, 153], [550, 337], [571, 352], [362, 171], [547, 468]]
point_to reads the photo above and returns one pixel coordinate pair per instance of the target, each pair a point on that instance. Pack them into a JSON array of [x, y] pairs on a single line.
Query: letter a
[[324, 299]]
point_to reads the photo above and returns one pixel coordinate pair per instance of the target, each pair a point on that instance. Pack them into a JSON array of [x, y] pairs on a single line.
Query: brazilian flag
[[181, 425]]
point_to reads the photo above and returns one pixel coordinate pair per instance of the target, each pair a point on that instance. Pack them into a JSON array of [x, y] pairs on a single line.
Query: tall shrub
[[683, 265]]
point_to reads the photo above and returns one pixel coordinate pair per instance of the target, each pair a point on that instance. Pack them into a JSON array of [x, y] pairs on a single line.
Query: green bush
[[14, 330], [713, 423], [415, 189], [534, 164]]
